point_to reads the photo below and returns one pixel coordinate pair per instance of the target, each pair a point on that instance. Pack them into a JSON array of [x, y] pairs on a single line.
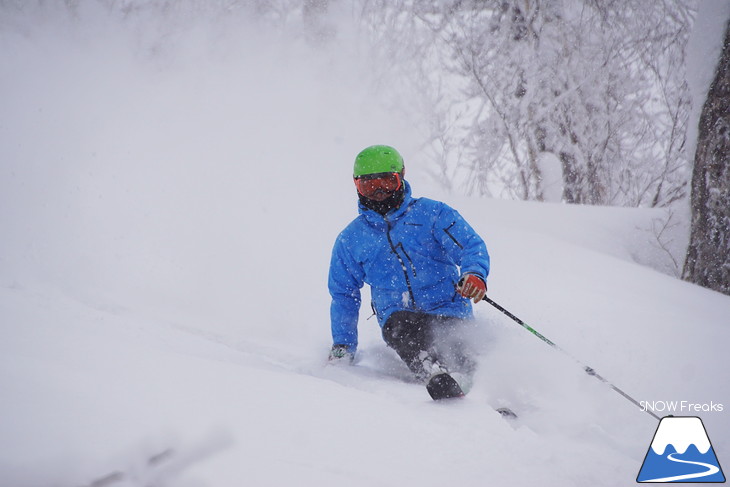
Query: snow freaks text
[[682, 407]]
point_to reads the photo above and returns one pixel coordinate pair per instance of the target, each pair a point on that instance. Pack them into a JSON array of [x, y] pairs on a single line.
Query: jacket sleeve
[[461, 243], [346, 278]]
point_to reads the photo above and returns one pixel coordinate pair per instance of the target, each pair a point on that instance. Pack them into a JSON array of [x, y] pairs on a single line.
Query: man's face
[[378, 186]]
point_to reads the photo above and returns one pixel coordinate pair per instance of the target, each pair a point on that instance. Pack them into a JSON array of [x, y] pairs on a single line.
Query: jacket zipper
[[408, 257], [402, 264], [446, 230]]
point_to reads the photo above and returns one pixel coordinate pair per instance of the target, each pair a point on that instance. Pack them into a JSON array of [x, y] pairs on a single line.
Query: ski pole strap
[[588, 370]]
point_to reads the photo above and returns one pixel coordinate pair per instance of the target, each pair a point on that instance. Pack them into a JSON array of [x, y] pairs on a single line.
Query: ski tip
[[507, 413]]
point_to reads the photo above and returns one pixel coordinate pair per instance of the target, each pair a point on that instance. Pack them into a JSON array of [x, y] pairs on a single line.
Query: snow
[[167, 224], [551, 172]]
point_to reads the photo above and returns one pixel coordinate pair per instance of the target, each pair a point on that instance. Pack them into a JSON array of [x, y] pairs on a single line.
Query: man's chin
[[380, 196]]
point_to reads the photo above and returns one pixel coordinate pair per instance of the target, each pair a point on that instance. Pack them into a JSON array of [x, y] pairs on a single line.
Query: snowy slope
[[167, 224], [90, 388]]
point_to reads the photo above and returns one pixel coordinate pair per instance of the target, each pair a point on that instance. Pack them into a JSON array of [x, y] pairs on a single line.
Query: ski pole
[[588, 370]]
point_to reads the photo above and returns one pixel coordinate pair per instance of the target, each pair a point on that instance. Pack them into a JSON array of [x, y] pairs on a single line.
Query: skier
[[423, 263]]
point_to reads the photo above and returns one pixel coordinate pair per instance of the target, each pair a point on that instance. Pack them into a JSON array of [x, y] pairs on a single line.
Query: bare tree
[[708, 256]]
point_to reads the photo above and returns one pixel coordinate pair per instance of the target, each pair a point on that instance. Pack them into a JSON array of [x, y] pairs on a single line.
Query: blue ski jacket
[[412, 259]]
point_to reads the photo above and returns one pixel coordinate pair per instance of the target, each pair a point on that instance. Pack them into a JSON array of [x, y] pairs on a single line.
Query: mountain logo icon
[[681, 452]]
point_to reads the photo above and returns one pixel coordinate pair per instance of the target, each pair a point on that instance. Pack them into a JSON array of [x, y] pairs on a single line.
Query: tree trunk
[[708, 255]]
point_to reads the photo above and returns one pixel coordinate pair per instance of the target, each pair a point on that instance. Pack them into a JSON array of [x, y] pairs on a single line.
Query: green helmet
[[376, 159]]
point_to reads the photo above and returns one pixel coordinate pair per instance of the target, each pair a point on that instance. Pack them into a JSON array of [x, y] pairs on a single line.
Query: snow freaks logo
[[681, 452], [680, 407]]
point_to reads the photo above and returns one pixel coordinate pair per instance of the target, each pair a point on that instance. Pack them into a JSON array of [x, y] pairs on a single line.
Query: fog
[[164, 156]]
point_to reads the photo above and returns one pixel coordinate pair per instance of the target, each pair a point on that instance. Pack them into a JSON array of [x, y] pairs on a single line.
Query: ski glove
[[472, 286], [341, 354]]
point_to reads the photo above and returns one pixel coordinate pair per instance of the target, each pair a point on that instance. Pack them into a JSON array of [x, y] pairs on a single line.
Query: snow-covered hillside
[[167, 223], [92, 384]]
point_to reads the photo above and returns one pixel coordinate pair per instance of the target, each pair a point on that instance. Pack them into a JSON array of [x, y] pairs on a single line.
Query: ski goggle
[[370, 184]]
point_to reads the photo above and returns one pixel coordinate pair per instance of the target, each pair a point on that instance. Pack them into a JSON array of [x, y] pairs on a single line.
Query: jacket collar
[[376, 218]]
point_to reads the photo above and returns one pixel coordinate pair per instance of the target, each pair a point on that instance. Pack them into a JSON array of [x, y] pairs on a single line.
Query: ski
[[506, 413], [163, 466], [150, 463], [443, 386]]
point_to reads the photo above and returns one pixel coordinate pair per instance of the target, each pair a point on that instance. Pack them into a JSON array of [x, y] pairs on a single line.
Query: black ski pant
[[442, 338]]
